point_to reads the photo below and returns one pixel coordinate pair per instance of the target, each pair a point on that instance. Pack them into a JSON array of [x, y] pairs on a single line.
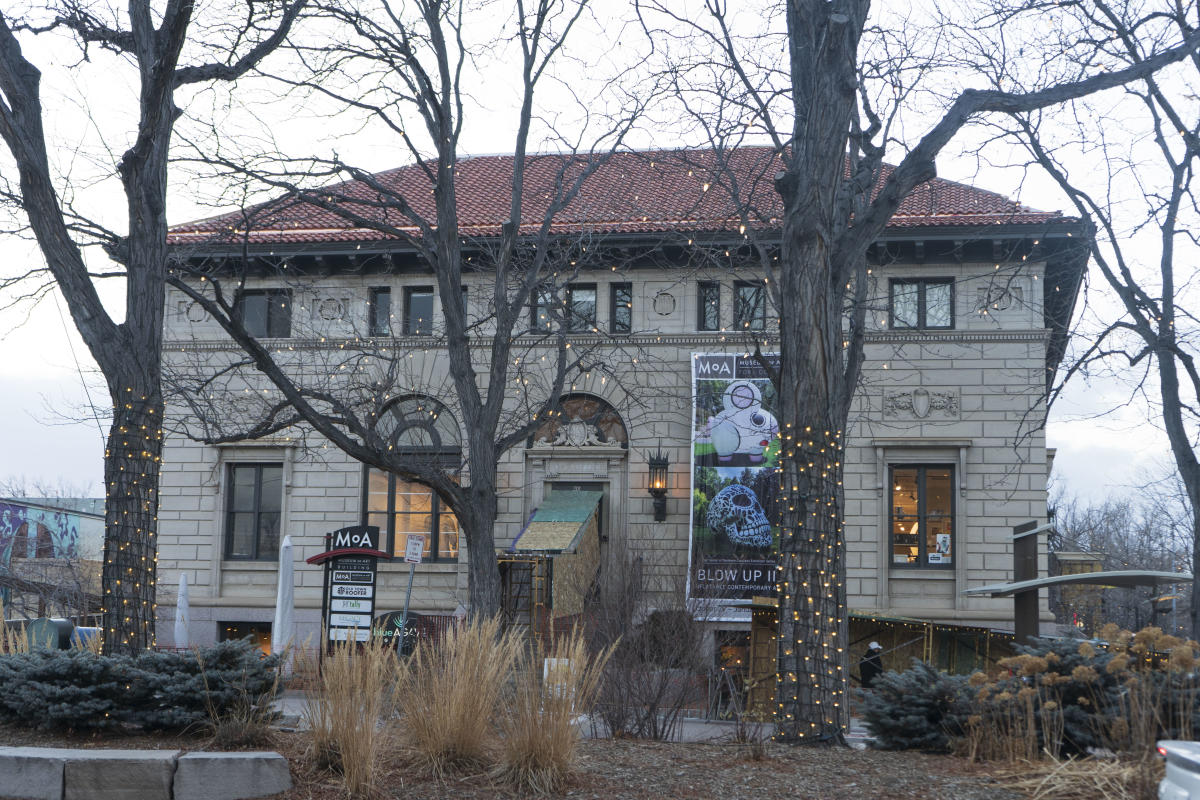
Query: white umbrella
[[183, 613], [285, 600]]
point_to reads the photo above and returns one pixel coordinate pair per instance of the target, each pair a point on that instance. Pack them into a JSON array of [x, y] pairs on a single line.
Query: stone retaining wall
[[44, 773]]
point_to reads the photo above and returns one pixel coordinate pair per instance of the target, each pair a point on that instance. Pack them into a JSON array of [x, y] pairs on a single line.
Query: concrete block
[[119, 774], [32, 773], [229, 776]]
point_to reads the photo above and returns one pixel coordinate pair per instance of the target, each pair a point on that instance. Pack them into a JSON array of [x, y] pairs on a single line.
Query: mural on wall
[[735, 479], [30, 532]]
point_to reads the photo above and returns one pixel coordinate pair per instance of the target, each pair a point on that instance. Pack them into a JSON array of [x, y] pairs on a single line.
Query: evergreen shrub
[[78, 689], [915, 709]]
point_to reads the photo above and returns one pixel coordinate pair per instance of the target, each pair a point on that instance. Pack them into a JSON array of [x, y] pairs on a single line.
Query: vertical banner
[[735, 477]]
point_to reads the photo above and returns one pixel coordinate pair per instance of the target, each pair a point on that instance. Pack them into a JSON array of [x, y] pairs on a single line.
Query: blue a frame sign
[[348, 599]]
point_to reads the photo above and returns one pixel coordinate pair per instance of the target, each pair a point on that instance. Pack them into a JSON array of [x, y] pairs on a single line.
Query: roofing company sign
[[348, 601]]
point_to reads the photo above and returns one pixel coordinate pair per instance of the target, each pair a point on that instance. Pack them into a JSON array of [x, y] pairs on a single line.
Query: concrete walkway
[[291, 705]]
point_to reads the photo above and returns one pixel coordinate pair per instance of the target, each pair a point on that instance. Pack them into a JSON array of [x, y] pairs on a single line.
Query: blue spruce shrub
[[918, 709], [81, 690]]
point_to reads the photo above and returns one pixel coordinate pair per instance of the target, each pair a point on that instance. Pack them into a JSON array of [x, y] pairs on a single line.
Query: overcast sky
[[44, 366]]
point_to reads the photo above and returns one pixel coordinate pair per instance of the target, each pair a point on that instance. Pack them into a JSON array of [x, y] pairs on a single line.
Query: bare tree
[[408, 70], [1129, 165], [1122, 535], [169, 51], [806, 81]]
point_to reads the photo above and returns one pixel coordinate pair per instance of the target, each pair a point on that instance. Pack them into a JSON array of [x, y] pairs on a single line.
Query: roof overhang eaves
[[191, 247]]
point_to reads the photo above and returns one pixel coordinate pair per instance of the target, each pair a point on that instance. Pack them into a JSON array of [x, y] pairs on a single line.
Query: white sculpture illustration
[[744, 426]]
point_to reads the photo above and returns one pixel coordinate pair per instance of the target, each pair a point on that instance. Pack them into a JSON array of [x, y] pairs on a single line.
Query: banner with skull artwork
[[735, 477]]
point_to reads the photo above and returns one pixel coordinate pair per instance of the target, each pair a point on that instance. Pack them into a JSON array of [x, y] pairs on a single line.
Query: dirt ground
[[618, 769]]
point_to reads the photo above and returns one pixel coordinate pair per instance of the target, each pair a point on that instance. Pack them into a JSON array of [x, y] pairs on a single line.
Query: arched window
[[418, 427], [581, 420]]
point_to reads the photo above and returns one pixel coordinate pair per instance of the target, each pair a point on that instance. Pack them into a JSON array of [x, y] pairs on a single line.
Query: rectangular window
[[708, 299], [401, 507], [749, 306], [253, 511], [620, 307], [581, 305], [380, 312], [541, 310], [265, 313], [922, 303], [418, 310], [921, 515]]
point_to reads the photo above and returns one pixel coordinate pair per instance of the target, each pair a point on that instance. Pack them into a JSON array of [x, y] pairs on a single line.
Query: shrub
[[448, 694], [347, 702], [81, 689], [540, 724], [919, 709]]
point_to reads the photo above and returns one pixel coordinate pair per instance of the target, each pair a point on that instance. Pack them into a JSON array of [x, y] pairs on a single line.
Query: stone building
[[970, 296]]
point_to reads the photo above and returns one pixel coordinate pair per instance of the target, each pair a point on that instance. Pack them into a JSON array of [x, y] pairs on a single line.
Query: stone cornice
[[712, 340]]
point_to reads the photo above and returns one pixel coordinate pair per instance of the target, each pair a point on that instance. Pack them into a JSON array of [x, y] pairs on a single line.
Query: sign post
[[348, 602], [412, 556]]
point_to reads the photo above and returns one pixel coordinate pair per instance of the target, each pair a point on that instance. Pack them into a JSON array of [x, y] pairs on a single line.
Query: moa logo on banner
[[716, 366]]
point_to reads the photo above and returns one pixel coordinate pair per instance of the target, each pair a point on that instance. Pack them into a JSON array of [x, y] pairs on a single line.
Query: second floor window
[[581, 307], [708, 300], [922, 303], [620, 308], [266, 313], [253, 511], [418, 311], [750, 306], [541, 310], [380, 312]]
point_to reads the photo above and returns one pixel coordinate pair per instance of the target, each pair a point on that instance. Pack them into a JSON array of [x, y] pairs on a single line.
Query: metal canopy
[[1121, 578]]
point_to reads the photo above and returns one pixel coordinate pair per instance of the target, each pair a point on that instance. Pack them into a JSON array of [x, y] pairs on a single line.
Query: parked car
[[1182, 781]]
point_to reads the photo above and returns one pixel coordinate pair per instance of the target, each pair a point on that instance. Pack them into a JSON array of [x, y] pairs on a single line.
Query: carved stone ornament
[[921, 403], [195, 312], [331, 309], [664, 304], [575, 433]]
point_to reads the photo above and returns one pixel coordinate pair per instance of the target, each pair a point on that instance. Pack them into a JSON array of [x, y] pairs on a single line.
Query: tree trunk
[[131, 467], [483, 571], [812, 657], [812, 653]]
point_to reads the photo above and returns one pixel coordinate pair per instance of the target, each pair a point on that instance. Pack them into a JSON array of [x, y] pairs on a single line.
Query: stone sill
[[922, 574]]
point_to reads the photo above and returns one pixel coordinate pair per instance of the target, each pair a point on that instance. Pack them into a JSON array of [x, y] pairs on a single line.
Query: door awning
[[558, 524]]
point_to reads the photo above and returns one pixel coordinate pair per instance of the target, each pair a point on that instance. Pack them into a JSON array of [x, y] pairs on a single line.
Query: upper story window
[[265, 313], [620, 307], [379, 312], [921, 515], [581, 307], [253, 510], [708, 306], [749, 306], [541, 317], [418, 310], [922, 303]]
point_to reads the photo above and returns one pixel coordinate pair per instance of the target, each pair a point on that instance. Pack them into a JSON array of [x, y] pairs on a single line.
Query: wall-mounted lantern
[[658, 483]]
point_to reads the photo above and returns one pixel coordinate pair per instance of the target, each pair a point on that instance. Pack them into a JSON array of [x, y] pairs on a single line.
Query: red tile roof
[[633, 192]]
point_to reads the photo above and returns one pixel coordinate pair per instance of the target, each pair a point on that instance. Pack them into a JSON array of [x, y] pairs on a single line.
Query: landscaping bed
[[626, 768]]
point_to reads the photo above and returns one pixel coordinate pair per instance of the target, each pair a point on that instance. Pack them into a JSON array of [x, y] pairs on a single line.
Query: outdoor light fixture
[[658, 483]]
